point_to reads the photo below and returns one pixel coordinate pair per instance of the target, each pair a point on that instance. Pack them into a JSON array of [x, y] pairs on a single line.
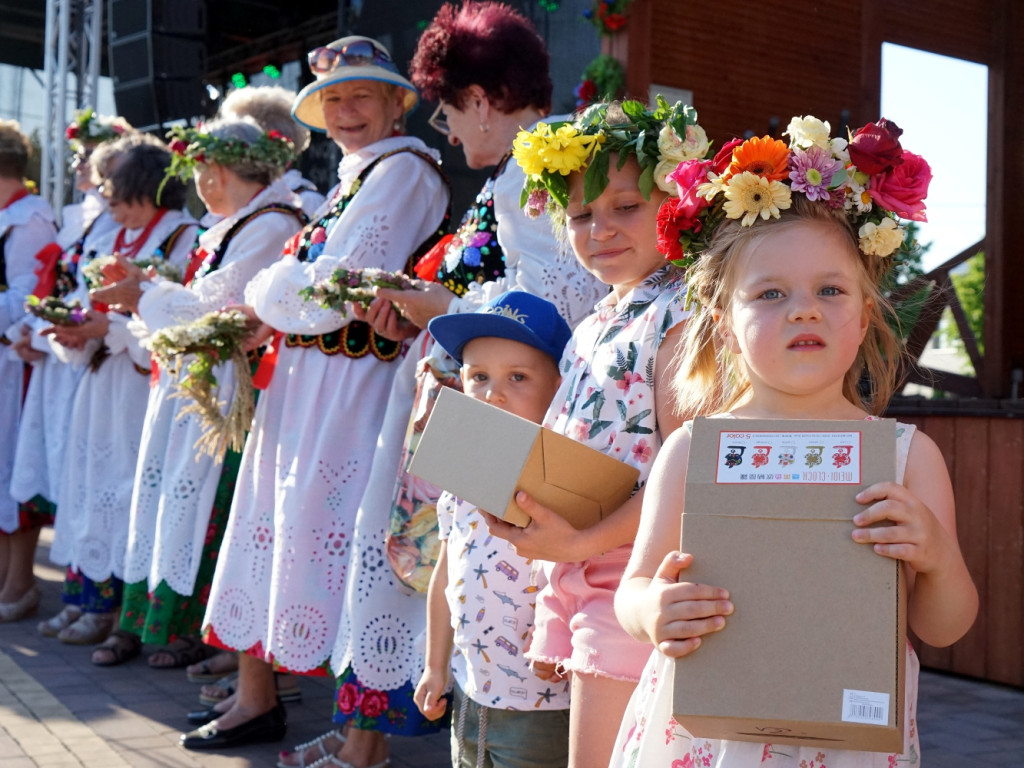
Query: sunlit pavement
[[57, 709]]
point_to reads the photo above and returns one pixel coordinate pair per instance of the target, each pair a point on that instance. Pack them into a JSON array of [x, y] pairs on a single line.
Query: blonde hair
[[710, 380], [271, 107], [15, 150]]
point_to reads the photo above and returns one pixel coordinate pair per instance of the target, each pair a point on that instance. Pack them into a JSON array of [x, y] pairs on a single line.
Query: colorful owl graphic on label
[[841, 457], [786, 455], [735, 455], [813, 455], [760, 457]]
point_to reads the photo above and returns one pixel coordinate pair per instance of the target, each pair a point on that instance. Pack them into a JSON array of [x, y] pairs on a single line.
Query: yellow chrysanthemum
[[880, 239], [528, 148], [749, 195], [568, 150]]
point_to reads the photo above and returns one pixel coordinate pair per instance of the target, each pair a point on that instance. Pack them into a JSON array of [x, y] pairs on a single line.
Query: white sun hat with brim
[[350, 58]]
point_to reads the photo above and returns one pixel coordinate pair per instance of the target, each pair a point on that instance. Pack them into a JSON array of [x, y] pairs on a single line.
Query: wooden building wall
[[985, 458]]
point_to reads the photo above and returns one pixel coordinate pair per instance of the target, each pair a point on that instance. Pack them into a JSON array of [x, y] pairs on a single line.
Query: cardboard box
[[484, 455], [814, 653]]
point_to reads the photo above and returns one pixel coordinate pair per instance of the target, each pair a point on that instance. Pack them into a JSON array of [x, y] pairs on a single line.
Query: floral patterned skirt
[[36, 512], [161, 616], [91, 596], [386, 711]]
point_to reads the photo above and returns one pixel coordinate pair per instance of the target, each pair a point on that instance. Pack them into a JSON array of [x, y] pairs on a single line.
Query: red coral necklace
[[131, 250]]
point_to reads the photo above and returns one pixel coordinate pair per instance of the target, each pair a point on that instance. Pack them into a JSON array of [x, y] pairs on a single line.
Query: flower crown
[[87, 127], [871, 178], [193, 146], [659, 139]]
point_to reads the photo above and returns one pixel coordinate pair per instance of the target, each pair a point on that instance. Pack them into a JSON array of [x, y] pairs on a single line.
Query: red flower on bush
[[374, 703], [348, 698], [586, 92], [614, 21], [876, 147]]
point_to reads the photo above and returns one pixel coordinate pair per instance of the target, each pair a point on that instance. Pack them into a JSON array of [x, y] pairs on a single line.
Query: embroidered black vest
[[357, 338], [213, 261]]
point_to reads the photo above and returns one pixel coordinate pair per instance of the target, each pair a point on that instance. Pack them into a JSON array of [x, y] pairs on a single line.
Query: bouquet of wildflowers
[[354, 285], [56, 311], [214, 338], [92, 271]]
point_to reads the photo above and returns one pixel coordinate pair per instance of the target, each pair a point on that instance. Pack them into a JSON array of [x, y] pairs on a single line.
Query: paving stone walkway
[[57, 709]]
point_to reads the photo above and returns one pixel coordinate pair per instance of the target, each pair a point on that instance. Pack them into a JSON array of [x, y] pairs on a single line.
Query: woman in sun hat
[[278, 588]]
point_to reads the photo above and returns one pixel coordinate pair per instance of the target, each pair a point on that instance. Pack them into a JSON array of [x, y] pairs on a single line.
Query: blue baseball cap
[[515, 315]]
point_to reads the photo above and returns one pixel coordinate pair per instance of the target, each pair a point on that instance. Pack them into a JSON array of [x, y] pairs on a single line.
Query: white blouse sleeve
[[534, 260], [24, 241], [255, 246], [400, 204]]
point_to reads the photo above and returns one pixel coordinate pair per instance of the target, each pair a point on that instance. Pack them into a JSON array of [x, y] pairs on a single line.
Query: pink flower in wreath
[[374, 703], [348, 698]]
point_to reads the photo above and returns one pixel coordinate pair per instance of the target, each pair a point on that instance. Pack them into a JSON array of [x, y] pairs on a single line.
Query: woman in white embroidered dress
[[26, 226], [42, 437], [110, 404], [176, 527], [488, 68], [277, 592]]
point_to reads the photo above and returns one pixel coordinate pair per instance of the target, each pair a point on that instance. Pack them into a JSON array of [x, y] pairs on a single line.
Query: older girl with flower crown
[[787, 245], [600, 175]]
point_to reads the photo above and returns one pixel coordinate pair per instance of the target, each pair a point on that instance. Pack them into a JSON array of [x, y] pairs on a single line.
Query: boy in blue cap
[[480, 600]]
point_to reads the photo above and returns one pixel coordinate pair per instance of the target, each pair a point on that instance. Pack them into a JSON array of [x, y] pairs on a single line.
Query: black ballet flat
[[203, 716], [270, 726]]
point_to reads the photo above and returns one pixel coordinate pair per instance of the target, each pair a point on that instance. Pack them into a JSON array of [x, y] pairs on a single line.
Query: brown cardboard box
[[484, 455], [814, 653]]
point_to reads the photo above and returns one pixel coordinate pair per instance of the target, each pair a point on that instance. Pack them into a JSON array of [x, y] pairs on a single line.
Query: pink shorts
[[575, 623]]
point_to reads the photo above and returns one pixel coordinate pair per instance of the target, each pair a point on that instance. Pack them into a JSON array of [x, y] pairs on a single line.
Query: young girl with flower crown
[[598, 174], [787, 247]]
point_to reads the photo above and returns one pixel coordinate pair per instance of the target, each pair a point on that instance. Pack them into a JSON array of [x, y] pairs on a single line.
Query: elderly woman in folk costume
[[109, 406], [487, 68], [42, 438], [278, 588], [181, 498], [26, 227], [271, 107]]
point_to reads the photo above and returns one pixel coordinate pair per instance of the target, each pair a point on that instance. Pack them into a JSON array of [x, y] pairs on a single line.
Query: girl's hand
[[681, 612], [422, 305], [429, 693], [915, 536], [259, 331], [546, 670], [385, 320], [547, 537]]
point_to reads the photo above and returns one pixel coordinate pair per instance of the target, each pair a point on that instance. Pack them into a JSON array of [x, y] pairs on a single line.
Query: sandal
[[215, 692], [329, 761], [320, 742], [211, 669], [52, 626], [122, 646], [182, 652], [89, 629]]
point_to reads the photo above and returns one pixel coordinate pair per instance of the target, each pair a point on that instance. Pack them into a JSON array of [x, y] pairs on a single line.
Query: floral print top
[[606, 399]]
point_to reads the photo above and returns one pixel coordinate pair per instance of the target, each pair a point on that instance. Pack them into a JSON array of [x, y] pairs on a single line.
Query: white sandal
[[52, 626], [330, 760], [318, 742]]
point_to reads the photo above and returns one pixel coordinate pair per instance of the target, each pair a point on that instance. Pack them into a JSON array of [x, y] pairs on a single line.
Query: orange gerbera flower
[[766, 157]]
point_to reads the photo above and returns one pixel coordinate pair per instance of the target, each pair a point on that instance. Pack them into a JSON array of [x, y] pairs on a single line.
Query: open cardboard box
[[484, 455], [814, 653]]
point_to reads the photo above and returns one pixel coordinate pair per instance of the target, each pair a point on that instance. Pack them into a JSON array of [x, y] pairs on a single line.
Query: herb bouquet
[[214, 338], [354, 285], [56, 311], [93, 270]]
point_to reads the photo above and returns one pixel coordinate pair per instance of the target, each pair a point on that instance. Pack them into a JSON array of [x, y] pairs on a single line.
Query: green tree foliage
[[970, 290]]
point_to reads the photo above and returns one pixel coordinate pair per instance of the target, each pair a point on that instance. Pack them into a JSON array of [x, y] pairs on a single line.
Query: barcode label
[[865, 707]]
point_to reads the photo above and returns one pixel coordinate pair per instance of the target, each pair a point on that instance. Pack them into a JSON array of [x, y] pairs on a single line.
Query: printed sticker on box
[[826, 458], [866, 707]]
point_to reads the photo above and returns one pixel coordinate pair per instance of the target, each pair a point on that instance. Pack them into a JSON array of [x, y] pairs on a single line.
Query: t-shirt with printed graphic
[[490, 596]]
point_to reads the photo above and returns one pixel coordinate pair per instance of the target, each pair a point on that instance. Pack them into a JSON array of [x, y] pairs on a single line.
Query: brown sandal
[[122, 646], [182, 652]]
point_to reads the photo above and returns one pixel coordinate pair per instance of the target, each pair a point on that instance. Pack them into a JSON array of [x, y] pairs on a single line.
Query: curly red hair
[[487, 44]]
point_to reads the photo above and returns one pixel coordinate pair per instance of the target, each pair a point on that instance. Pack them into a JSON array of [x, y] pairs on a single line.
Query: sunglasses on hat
[[360, 53]]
